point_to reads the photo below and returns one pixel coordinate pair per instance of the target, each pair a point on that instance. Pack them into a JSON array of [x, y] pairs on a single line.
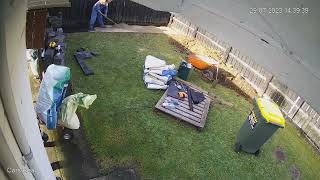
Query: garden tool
[[187, 92], [190, 99], [108, 18], [121, 25]]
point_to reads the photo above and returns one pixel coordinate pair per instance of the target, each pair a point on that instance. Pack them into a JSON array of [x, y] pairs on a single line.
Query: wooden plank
[[195, 106], [196, 109], [205, 114], [255, 66], [251, 74], [192, 86], [183, 114], [200, 105], [179, 116], [213, 42], [238, 61], [255, 71], [230, 61], [241, 67], [85, 69], [225, 56], [247, 72], [188, 111], [185, 102], [244, 68], [35, 31]]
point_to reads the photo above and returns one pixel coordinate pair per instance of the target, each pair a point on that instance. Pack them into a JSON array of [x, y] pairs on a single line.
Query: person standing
[[99, 8]]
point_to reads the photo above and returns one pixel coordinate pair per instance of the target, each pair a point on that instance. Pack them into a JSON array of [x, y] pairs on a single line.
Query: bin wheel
[[67, 134], [237, 147], [45, 137], [257, 153]]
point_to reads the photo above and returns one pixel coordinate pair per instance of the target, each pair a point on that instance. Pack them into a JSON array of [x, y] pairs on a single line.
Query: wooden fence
[[293, 106], [121, 11]]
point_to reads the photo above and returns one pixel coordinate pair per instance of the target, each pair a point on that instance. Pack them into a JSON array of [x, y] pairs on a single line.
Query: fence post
[[195, 31], [268, 83], [170, 20], [225, 55]]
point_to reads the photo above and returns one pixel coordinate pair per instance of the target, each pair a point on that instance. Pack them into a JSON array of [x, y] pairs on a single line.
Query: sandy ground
[[187, 43]]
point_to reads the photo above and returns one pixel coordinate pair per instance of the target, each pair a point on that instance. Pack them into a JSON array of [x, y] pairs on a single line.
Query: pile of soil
[[180, 48], [193, 46]]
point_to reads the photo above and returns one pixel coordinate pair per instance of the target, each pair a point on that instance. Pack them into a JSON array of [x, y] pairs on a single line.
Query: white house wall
[[15, 88]]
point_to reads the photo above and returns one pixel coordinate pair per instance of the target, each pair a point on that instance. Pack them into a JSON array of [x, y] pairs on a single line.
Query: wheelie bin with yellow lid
[[262, 122]]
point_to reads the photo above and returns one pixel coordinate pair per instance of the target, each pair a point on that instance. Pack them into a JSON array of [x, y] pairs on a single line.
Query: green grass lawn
[[124, 130]]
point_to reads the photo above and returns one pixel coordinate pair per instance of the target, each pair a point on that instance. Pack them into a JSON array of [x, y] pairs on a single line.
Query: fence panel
[[309, 121], [292, 105], [256, 76], [210, 40]]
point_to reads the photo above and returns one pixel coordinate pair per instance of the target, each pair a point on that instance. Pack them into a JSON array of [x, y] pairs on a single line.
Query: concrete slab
[[133, 28]]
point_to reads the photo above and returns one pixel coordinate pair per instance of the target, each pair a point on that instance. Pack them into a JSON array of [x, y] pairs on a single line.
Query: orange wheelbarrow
[[203, 62]]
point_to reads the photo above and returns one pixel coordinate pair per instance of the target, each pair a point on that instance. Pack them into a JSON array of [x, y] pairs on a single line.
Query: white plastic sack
[[161, 78], [149, 79], [73, 123], [52, 85], [153, 71], [69, 107], [166, 67], [152, 62], [159, 70], [156, 86], [32, 60]]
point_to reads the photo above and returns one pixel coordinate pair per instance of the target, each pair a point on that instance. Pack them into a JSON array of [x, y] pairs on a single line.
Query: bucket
[[184, 70]]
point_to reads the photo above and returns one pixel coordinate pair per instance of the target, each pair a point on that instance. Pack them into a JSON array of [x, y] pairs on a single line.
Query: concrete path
[[135, 28]]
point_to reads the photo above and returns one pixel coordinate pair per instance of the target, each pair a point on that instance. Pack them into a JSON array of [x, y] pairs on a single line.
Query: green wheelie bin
[[262, 122]]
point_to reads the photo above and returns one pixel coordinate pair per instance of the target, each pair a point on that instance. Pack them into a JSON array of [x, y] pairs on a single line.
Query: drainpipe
[[10, 153], [25, 149], [18, 130]]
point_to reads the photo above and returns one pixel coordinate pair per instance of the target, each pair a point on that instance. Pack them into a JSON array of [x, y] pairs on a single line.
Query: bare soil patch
[[280, 155]]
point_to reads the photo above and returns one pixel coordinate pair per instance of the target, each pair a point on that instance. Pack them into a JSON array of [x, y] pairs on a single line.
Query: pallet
[[197, 117]]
